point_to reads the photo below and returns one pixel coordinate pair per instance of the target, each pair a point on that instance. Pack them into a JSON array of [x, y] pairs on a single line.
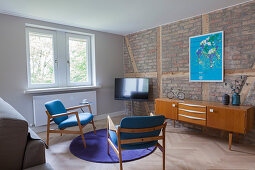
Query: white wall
[[13, 71]]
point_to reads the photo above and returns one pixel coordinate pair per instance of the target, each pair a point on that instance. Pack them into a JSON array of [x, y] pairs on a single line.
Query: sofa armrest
[[34, 153]]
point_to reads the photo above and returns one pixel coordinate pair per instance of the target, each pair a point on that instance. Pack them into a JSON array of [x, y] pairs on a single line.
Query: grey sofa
[[20, 147]]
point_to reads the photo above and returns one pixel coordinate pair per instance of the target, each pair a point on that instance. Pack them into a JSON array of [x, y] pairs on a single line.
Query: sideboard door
[[232, 120], [166, 108]]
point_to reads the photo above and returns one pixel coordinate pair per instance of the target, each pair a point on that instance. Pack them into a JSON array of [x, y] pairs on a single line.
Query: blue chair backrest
[[56, 107], [141, 122]]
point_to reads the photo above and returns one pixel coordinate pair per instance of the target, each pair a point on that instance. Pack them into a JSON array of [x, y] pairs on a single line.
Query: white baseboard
[[39, 129]]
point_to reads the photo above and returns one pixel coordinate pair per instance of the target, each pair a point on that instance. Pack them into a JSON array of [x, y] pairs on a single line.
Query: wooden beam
[[148, 74], [159, 60], [205, 91], [205, 24], [246, 88], [131, 55], [205, 30], [244, 72], [174, 74]]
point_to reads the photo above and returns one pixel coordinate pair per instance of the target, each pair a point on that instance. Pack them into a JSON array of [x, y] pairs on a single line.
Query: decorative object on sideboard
[[225, 99], [235, 99], [179, 94], [236, 88]]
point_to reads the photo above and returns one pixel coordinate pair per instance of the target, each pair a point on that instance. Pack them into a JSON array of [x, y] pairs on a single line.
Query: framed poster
[[206, 57]]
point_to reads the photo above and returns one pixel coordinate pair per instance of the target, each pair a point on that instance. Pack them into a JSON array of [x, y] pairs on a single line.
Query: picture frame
[[206, 57]]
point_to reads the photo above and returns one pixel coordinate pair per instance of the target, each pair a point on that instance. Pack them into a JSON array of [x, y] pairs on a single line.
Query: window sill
[[60, 89]]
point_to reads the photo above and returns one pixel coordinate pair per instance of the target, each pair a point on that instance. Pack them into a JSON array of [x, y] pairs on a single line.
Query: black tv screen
[[131, 88]]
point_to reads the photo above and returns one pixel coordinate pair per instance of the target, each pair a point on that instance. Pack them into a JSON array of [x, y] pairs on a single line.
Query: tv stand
[[233, 119], [132, 108]]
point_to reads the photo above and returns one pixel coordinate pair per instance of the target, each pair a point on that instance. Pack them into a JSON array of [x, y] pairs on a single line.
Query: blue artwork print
[[206, 58]]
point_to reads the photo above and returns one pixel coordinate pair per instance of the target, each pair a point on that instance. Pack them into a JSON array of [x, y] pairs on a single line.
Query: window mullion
[[61, 59]]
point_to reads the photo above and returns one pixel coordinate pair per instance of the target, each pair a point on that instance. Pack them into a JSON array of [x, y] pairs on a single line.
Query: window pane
[[78, 60], [41, 58]]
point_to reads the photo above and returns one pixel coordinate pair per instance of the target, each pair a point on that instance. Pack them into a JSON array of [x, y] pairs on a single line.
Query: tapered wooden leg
[[94, 127], [230, 140], [61, 134], [48, 132], [119, 148], [174, 123], [82, 136], [107, 137], [120, 159], [83, 139], [164, 148]]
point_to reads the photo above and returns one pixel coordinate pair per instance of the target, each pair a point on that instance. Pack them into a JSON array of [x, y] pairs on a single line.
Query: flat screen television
[[131, 88]]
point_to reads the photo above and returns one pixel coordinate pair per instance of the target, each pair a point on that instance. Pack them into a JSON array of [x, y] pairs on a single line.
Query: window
[[58, 58], [78, 60]]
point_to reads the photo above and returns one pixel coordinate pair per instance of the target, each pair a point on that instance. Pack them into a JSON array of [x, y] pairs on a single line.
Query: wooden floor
[[185, 149]]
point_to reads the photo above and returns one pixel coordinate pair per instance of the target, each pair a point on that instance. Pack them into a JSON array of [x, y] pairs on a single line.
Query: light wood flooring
[[185, 149]]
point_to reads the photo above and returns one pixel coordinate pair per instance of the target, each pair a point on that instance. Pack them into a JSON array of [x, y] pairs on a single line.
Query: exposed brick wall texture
[[175, 44], [143, 46], [238, 24]]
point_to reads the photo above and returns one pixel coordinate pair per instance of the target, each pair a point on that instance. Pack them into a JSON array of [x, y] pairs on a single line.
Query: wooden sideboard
[[233, 119]]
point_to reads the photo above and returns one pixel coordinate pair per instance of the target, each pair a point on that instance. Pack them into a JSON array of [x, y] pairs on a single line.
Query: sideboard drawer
[[186, 106], [191, 119], [192, 113]]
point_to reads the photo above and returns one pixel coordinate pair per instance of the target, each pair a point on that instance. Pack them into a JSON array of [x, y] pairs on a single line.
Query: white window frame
[[89, 63], [61, 57], [43, 32]]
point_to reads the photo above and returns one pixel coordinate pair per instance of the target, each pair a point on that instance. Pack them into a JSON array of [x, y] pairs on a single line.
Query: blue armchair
[[136, 133], [59, 114]]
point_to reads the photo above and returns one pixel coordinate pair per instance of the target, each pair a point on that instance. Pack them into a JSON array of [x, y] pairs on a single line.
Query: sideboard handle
[[211, 110]]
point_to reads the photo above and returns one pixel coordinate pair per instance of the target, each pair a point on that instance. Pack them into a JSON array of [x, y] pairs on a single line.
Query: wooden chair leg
[[164, 148], [92, 120], [120, 159], [108, 137], [94, 127], [48, 132], [119, 148], [61, 134], [82, 136]]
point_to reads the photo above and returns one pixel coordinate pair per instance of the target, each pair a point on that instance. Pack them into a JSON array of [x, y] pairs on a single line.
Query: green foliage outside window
[[78, 61], [41, 59]]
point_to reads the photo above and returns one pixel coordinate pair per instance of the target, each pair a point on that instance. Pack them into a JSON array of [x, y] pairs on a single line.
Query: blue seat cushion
[[56, 107], [85, 118], [131, 146]]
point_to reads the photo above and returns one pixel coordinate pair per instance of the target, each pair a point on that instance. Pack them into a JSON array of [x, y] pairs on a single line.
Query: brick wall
[[175, 44], [238, 24]]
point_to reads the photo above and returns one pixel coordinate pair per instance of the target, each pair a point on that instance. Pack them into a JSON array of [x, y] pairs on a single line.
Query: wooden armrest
[[63, 114], [77, 107], [111, 124]]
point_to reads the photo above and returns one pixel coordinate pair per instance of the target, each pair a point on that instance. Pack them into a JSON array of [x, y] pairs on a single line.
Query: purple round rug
[[96, 150]]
